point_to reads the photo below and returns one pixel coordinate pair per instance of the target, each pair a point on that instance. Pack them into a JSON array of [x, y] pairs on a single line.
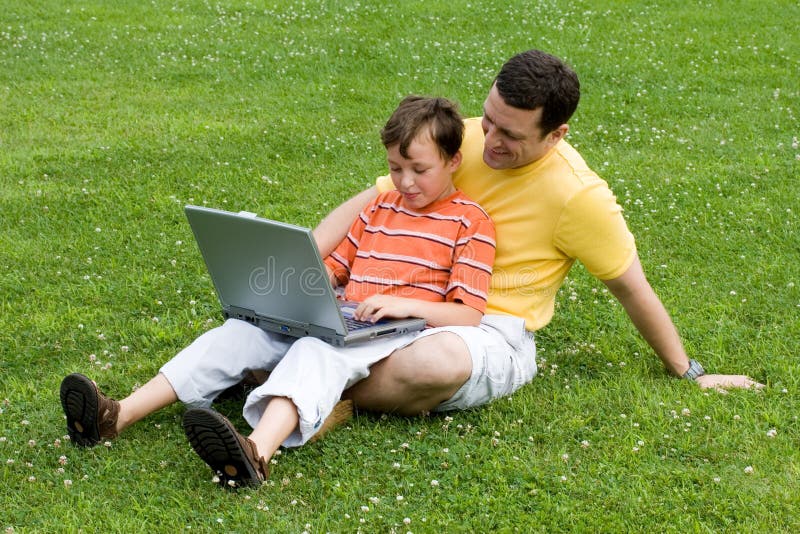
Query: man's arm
[[333, 228], [654, 324]]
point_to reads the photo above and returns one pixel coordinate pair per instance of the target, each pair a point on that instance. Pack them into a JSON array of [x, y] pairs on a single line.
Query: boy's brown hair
[[445, 125]]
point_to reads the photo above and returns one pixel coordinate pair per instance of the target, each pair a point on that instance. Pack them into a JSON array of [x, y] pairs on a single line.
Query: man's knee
[[437, 361], [417, 378]]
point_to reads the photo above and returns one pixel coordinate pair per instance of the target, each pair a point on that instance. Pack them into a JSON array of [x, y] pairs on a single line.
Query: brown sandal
[[233, 457], [91, 415], [341, 413]]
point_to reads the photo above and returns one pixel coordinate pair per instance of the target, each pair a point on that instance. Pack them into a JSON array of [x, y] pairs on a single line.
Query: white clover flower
[[771, 433], [748, 470], [434, 483]]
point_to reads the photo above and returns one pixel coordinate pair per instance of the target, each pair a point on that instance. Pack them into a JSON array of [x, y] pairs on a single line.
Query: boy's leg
[[295, 404], [92, 416], [238, 460], [214, 361], [157, 393]]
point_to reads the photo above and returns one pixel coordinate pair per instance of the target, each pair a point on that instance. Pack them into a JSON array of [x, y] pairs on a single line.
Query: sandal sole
[[215, 441], [79, 402]]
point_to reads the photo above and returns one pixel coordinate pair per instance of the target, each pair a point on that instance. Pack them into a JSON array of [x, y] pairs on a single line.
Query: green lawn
[[113, 115]]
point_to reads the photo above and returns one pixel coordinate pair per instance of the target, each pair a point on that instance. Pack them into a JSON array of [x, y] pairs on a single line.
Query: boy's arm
[[378, 307], [333, 228]]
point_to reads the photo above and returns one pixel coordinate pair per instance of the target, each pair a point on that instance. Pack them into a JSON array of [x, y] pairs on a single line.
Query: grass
[[115, 114]]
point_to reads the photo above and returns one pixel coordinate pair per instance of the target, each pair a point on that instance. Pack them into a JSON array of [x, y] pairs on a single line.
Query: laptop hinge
[[250, 316], [243, 314]]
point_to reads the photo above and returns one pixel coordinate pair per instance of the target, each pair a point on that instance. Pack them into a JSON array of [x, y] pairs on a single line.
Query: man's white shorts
[[503, 359]]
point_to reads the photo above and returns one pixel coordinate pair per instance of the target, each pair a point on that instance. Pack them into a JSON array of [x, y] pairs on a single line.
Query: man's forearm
[[650, 317], [656, 327], [333, 228]]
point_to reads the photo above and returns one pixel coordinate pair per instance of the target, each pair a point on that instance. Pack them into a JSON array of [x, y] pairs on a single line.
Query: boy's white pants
[[313, 374]]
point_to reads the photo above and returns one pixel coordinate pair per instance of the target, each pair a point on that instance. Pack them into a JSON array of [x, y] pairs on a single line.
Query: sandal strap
[[107, 414], [258, 461]]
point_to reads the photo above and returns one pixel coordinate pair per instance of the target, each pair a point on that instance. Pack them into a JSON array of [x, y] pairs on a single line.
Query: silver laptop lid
[[285, 277]]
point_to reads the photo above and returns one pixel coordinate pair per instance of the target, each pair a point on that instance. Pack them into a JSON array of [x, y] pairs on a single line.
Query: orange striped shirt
[[443, 253]]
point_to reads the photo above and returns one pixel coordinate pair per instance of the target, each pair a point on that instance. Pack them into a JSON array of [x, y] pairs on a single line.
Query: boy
[[423, 250]]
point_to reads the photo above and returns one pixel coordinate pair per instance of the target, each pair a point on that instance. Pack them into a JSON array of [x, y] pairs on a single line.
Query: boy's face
[[424, 177]]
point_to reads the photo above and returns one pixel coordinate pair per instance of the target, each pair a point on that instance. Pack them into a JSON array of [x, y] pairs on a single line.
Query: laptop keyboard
[[353, 324]]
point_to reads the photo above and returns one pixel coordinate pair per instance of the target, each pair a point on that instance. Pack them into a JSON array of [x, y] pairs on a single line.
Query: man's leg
[[416, 378]]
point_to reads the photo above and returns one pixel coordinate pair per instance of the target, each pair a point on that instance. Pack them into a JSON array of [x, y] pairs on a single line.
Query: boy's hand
[[377, 307]]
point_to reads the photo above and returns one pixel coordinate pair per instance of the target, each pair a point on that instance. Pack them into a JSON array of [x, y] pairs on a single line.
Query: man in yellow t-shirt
[[549, 209]]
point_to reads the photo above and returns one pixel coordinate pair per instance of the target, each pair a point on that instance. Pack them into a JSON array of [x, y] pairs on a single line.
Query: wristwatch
[[695, 370]]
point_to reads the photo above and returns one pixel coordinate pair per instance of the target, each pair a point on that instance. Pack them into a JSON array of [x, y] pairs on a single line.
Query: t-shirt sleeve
[[592, 229], [472, 266]]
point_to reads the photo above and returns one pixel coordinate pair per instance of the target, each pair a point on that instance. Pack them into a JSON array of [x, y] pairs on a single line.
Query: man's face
[[513, 136]]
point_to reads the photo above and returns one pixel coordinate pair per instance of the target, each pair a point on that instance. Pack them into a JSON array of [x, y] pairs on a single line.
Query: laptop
[[270, 274]]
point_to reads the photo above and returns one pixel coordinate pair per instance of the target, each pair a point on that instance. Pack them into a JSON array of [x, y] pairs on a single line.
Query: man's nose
[[490, 136]]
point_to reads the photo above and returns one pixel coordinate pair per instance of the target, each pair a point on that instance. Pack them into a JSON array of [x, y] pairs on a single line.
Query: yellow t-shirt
[[546, 214]]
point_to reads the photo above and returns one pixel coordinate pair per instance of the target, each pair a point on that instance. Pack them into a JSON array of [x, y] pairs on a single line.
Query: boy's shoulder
[[468, 205]]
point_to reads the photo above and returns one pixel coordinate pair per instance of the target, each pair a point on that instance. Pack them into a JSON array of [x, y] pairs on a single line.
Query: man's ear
[[558, 134], [455, 161]]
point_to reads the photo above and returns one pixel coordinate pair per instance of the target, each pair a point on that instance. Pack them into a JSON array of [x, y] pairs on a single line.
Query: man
[[549, 209]]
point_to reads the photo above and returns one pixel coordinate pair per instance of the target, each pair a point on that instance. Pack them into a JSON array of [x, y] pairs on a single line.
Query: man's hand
[[722, 382]]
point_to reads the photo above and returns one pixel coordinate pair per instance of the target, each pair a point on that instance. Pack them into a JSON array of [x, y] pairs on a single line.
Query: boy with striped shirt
[[424, 250], [425, 242]]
